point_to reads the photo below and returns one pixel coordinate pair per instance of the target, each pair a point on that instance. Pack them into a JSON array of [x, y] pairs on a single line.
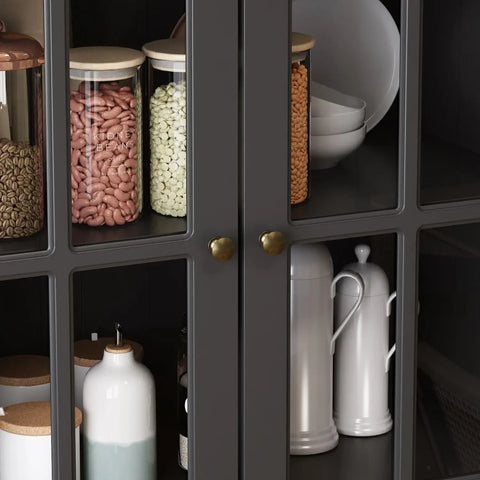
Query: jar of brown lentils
[[300, 117]]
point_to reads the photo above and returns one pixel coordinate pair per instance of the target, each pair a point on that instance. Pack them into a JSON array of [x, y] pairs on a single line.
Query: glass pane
[[450, 101], [128, 125], [448, 408], [130, 370], [341, 374], [25, 379], [353, 115], [22, 144]]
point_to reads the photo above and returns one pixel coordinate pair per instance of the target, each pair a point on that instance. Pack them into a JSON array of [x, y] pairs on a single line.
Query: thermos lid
[[310, 260], [19, 52], [374, 278], [90, 352], [24, 370], [32, 419]]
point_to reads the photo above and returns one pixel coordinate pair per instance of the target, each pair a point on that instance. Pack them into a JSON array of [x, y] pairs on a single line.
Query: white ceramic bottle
[[362, 357], [312, 341], [119, 417]]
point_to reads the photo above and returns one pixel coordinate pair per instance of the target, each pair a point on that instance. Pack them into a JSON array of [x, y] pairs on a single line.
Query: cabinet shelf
[[149, 225], [353, 458], [35, 243]]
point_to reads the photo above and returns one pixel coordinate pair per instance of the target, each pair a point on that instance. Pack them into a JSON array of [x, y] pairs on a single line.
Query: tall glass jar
[[106, 135], [300, 117], [21, 136], [167, 90]]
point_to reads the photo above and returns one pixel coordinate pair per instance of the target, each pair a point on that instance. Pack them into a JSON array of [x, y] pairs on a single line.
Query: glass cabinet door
[[156, 293]]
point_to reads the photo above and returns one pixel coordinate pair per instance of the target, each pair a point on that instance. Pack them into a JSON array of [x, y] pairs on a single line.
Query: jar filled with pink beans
[[105, 135]]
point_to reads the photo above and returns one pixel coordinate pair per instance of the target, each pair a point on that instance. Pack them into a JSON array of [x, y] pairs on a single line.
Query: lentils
[[21, 189], [299, 135], [168, 154], [105, 155]]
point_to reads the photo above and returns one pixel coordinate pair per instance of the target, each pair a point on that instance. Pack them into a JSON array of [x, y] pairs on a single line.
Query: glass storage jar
[[106, 135], [21, 136], [182, 396], [300, 117], [167, 93]]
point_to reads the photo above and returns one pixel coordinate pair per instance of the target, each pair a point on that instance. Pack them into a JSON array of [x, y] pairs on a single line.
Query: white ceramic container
[[334, 112], [26, 443], [312, 341], [87, 353], [24, 378], [119, 418], [326, 151], [362, 358]]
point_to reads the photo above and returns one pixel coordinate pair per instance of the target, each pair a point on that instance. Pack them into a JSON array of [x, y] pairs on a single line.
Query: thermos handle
[[359, 280], [392, 350]]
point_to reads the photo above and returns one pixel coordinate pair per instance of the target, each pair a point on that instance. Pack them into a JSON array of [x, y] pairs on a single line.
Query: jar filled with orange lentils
[[300, 117]]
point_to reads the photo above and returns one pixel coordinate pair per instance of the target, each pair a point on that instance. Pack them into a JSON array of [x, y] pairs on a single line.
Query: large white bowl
[[326, 151], [334, 112]]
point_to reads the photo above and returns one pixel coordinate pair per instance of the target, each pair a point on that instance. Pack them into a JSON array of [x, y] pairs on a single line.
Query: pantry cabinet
[[411, 192]]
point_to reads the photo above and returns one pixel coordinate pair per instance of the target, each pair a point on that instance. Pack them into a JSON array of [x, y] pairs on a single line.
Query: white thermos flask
[[362, 357], [312, 341], [119, 426]]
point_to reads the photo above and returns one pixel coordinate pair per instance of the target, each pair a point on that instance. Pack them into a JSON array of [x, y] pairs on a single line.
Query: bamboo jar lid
[[125, 348], [89, 352], [24, 370], [19, 52], [32, 419], [302, 42]]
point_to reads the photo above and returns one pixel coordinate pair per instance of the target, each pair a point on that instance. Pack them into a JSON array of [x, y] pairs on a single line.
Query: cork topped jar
[[90, 352], [300, 117], [167, 93], [21, 136], [25, 441], [24, 378], [106, 135]]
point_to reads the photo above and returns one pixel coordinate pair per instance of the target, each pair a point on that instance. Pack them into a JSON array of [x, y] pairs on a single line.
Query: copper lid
[[18, 52], [24, 370], [88, 352], [32, 419]]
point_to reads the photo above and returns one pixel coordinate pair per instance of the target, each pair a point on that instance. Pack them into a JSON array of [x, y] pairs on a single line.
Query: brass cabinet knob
[[222, 248], [273, 242]]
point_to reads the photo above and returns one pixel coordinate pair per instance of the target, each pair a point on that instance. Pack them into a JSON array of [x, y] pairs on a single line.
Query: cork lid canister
[[90, 352], [31, 419], [24, 370]]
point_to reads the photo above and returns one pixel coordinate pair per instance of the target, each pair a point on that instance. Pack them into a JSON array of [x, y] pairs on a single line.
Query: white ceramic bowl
[[326, 151], [334, 112]]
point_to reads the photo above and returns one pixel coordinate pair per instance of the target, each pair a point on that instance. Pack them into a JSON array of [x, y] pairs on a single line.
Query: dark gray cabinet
[[158, 274]]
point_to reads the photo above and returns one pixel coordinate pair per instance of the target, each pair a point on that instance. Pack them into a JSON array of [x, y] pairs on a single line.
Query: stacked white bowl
[[337, 125]]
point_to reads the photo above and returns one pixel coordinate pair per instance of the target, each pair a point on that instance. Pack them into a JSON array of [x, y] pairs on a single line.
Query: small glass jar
[[21, 136], [300, 117], [106, 135], [167, 93], [182, 397]]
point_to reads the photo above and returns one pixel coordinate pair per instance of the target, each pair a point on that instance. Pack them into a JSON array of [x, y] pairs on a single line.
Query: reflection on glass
[[448, 413]]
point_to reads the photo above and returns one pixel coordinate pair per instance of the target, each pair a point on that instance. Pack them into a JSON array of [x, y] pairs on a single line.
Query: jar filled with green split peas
[[167, 93], [106, 135], [21, 136], [300, 117]]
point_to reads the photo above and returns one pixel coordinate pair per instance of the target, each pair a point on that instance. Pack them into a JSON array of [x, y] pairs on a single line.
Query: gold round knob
[[273, 242], [222, 248]]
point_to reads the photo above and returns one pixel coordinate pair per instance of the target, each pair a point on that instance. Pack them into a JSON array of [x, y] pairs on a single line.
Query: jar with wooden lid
[[300, 117], [21, 136], [106, 135], [90, 352], [24, 378], [167, 94], [26, 442], [119, 426]]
